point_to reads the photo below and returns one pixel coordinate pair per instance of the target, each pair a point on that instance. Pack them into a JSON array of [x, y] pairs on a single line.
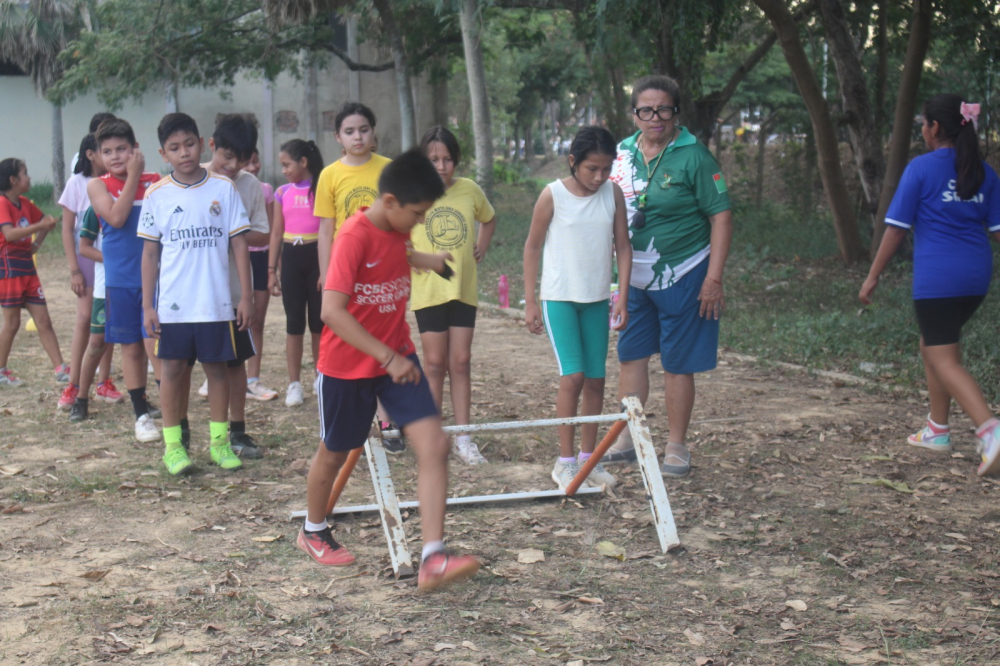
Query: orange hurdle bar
[[342, 477], [602, 448]]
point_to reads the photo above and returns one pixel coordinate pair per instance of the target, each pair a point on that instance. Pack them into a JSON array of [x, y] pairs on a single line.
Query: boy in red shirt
[[366, 355], [19, 284]]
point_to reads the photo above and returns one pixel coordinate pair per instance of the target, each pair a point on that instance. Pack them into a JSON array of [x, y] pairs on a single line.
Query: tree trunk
[[476, 71], [529, 144], [854, 90], [440, 93], [404, 89], [882, 69], [765, 128], [546, 134], [515, 130], [58, 160], [618, 121], [844, 221], [906, 104]]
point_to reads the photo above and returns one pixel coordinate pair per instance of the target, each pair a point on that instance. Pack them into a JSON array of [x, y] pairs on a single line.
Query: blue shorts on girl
[[347, 406]]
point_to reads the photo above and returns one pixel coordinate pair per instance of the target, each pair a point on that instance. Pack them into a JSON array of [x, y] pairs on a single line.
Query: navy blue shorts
[[347, 406], [666, 321], [208, 342], [123, 316]]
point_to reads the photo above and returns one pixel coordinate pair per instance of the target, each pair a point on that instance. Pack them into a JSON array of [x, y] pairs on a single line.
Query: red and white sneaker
[[106, 391], [443, 568], [68, 397], [322, 547]]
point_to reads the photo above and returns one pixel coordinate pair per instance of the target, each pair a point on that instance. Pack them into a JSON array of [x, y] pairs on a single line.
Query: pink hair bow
[[970, 112]]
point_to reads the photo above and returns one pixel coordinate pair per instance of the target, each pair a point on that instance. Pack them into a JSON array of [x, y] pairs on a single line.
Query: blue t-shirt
[[121, 246], [951, 247]]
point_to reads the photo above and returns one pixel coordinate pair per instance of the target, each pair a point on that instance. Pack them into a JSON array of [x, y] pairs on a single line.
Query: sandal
[[676, 466]]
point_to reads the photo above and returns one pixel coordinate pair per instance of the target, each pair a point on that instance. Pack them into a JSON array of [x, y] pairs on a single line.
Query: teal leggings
[[579, 336]]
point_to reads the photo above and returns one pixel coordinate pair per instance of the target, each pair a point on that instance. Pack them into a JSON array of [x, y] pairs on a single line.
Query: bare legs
[[947, 379], [680, 393]]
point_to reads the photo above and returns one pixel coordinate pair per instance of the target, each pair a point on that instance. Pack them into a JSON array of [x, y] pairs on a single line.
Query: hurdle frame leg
[[649, 466], [388, 507]]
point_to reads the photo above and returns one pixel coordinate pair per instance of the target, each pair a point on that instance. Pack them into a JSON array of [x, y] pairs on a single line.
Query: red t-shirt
[[15, 258], [370, 266]]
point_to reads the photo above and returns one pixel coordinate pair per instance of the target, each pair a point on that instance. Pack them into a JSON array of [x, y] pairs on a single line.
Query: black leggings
[[299, 276]]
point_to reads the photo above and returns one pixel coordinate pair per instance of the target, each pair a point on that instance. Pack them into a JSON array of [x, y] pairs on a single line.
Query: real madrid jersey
[[193, 224]]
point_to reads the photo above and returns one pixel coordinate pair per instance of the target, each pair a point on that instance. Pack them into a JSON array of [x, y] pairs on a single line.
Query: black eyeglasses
[[661, 112]]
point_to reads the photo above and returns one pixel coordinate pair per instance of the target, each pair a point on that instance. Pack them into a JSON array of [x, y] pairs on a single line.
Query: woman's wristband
[[391, 359]]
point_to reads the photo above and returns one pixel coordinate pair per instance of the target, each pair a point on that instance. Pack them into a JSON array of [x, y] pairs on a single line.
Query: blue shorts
[[347, 406], [208, 342], [667, 322], [123, 316]]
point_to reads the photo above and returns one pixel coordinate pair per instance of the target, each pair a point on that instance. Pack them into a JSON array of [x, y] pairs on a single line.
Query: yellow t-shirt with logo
[[450, 225], [343, 189]]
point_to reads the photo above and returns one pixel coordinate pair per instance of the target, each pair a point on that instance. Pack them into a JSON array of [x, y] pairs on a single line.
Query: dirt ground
[[811, 535]]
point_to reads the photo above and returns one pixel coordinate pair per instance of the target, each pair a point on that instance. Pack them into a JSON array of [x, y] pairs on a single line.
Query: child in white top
[[578, 222]]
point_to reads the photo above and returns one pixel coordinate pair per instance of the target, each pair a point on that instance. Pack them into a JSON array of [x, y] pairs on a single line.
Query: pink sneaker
[[68, 397], [8, 378], [107, 392], [62, 373], [443, 568], [322, 547]]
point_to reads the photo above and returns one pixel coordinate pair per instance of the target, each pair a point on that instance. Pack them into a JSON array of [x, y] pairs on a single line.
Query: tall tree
[[32, 35], [906, 104], [844, 222], [863, 132], [471, 21]]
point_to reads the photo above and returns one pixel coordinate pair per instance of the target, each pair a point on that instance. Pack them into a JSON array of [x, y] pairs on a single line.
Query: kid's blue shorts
[[123, 316], [208, 342], [666, 321], [347, 406]]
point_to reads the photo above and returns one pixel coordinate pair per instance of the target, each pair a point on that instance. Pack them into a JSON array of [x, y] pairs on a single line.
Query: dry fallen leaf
[[10, 470], [796, 604], [296, 641], [693, 638], [444, 646], [95, 575], [530, 556], [608, 549], [267, 539], [470, 645], [214, 627], [850, 644]]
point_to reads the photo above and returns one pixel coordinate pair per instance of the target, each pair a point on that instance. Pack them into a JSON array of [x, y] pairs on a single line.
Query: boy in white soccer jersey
[[189, 221]]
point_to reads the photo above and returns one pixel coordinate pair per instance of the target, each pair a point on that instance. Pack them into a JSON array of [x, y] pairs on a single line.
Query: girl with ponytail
[[950, 198], [295, 256]]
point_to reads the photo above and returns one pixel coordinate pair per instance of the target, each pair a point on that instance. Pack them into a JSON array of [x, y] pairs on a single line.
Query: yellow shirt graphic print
[[343, 189], [450, 226]]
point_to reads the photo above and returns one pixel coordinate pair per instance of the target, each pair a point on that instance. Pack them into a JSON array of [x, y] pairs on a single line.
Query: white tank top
[[576, 258]]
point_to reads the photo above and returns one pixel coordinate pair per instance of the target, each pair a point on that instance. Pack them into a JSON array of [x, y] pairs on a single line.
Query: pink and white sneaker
[[106, 391], [62, 373], [68, 397], [322, 547], [443, 568], [8, 378], [934, 436]]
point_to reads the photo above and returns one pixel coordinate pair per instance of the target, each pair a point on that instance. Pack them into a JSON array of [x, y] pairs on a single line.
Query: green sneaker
[[177, 461], [223, 456]]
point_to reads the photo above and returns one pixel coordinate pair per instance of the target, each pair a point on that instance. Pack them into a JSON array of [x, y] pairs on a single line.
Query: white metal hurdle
[[388, 505]]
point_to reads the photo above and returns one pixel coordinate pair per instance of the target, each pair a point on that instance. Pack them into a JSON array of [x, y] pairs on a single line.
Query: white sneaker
[[293, 397], [601, 477], [145, 430], [564, 473], [989, 448], [468, 452], [203, 391], [258, 392]]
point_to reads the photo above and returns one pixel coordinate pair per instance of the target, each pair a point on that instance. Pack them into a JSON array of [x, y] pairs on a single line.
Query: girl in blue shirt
[[950, 198]]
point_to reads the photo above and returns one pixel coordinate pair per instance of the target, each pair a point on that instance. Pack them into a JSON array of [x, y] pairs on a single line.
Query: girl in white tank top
[[578, 223]]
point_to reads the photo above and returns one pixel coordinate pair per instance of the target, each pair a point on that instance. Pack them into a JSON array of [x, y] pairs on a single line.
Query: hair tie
[[970, 112]]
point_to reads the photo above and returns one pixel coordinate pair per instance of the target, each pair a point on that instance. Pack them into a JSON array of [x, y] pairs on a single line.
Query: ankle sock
[[463, 440], [83, 402], [584, 456], [217, 431], [566, 461], [251, 380], [315, 527], [172, 436], [430, 548], [139, 403], [237, 427], [185, 426], [937, 428], [985, 429]]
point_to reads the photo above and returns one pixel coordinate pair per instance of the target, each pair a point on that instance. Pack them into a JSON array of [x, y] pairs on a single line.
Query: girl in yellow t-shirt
[[446, 309], [349, 183]]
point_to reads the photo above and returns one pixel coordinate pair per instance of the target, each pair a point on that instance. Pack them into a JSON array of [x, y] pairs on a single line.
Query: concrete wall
[[28, 117]]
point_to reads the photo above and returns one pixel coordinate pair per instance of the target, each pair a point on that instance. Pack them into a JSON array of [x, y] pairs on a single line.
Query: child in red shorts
[[20, 287], [366, 356]]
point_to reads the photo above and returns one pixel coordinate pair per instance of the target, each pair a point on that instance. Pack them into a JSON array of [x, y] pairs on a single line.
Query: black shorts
[[347, 406], [258, 269], [439, 318], [299, 295], [243, 345], [208, 342], [941, 319]]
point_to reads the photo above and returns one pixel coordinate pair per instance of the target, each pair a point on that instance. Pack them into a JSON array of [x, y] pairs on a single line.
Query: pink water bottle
[[615, 294], [503, 292]]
